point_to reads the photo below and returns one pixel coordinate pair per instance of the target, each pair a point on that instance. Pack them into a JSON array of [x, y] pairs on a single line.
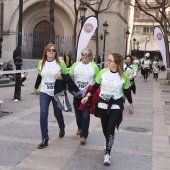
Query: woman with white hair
[[84, 72]]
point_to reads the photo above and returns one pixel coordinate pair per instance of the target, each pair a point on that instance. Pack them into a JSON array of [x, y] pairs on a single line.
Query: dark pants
[[82, 117], [109, 123], [45, 100], [155, 76], [23, 79], [145, 73]]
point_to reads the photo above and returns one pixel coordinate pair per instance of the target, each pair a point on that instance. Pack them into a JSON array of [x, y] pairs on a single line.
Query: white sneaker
[[107, 160]]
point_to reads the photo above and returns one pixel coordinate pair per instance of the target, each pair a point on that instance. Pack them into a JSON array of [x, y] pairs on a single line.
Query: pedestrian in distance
[[61, 56], [131, 70], [146, 66], [155, 61], [136, 63], [12, 75], [83, 72], [67, 59], [9, 67], [99, 61], [155, 71], [49, 69], [114, 83]]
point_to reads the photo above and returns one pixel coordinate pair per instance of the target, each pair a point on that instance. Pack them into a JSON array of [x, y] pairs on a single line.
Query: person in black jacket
[[8, 68], [67, 59]]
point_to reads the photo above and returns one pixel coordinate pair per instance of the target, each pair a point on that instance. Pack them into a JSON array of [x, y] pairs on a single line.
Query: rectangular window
[[149, 1], [147, 30]]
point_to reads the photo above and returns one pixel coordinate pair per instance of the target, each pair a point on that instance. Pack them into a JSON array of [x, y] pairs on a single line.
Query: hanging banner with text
[[86, 32], [161, 43]]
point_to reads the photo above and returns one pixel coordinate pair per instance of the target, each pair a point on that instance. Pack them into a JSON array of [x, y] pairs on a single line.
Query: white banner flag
[[85, 34], [161, 43]]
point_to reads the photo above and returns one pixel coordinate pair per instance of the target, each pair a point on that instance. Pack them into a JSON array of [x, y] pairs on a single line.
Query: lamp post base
[[17, 93]]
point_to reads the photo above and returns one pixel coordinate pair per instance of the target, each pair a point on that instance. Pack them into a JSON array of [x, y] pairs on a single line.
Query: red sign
[[88, 28], [159, 36]]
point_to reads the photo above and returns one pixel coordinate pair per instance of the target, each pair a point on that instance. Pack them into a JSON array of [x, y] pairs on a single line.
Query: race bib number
[[106, 96], [49, 86], [82, 85]]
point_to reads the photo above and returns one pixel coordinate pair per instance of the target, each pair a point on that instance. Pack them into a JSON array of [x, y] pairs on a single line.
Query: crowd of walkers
[[99, 92]]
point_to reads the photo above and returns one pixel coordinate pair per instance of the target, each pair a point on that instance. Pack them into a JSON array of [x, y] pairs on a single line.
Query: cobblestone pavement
[[142, 142]]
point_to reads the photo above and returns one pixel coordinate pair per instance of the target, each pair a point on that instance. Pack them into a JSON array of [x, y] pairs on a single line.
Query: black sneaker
[[62, 133], [43, 144]]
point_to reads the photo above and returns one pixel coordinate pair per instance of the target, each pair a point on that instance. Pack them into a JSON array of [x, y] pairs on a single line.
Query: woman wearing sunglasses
[[114, 83], [48, 70], [83, 73]]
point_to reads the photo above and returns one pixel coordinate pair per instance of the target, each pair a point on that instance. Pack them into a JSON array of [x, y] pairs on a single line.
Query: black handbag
[[96, 110]]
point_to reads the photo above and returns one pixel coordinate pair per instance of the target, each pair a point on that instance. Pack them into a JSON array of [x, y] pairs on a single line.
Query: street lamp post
[[17, 56], [134, 43], [83, 10], [105, 27], [137, 48], [146, 44], [127, 36]]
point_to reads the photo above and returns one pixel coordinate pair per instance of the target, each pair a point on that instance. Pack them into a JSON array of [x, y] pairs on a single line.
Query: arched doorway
[[41, 36]]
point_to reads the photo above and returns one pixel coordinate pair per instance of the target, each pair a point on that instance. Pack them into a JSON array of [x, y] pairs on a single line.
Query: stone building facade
[[35, 27], [1, 18], [143, 27]]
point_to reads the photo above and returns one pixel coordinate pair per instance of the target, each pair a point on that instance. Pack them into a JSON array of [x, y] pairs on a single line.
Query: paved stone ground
[[142, 142]]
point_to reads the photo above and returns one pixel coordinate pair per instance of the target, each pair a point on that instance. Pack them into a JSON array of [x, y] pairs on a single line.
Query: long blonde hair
[[118, 59], [44, 58]]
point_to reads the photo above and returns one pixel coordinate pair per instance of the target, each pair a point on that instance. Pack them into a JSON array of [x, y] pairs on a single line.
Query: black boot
[[43, 144], [62, 133]]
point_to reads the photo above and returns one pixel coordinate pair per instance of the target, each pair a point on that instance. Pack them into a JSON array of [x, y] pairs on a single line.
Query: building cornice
[[145, 23]]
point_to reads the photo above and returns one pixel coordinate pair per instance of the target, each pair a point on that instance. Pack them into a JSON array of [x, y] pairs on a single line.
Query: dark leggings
[[23, 79], [109, 123], [145, 73]]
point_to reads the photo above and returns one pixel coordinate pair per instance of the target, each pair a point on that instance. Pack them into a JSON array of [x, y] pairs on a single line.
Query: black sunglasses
[[53, 50], [85, 54]]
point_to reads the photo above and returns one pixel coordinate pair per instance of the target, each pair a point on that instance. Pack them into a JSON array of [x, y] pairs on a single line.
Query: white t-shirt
[[48, 74], [136, 63], [84, 75], [146, 64], [155, 62], [112, 86], [131, 70]]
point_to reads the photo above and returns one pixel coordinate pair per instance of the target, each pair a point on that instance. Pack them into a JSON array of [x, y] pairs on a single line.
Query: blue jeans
[[45, 100], [82, 117]]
